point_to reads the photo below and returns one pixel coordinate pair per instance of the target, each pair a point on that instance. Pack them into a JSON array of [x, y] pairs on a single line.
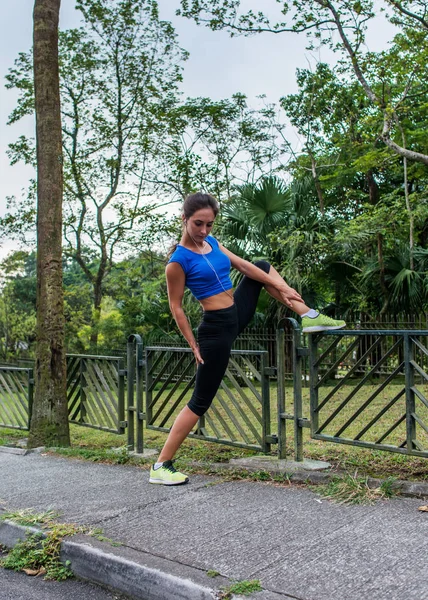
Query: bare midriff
[[219, 301]]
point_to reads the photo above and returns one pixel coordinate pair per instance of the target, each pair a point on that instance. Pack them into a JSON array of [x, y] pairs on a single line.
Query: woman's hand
[[288, 294], [197, 355]]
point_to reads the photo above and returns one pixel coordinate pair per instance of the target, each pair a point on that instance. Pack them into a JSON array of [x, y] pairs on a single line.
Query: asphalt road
[[18, 586]]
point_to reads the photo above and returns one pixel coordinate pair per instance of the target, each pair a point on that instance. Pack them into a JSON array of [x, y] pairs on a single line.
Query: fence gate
[[367, 389], [16, 397], [240, 412], [96, 392]]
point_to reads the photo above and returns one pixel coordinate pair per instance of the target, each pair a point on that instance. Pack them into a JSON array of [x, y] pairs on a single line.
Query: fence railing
[[16, 397], [382, 406], [367, 388], [240, 413], [96, 391]]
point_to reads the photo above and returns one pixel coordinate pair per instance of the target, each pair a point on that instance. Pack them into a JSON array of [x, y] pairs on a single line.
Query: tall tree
[[49, 422], [342, 25], [118, 75]]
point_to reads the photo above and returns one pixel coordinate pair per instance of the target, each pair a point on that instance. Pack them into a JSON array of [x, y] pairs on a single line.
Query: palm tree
[[254, 212], [281, 223], [407, 287]]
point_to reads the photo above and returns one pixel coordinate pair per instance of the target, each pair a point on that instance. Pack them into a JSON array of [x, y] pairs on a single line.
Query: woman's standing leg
[[215, 339]]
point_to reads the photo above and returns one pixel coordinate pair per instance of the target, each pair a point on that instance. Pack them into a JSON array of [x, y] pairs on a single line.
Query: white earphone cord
[[210, 265]]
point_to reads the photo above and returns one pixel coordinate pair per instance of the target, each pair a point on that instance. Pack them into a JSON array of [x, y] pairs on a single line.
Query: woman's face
[[199, 225]]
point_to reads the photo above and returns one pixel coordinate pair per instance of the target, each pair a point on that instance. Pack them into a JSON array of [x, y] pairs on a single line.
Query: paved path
[[18, 586], [295, 543]]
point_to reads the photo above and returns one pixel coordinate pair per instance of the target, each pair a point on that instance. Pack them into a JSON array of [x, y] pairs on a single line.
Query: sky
[[218, 67]]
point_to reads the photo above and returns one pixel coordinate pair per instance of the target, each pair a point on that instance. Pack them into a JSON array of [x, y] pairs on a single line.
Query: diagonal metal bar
[[247, 381], [245, 398], [170, 394], [214, 411], [331, 370], [366, 377], [97, 398], [328, 350], [251, 366], [11, 418], [418, 445], [420, 422], [211, 421], [165, 366], [420, 396], [380, 414], [177, 402], [158, 357], [369, 400], [355, 366], [391, 429], [231, 415], [15, 409], [419, 369], [421, 347], [168, 380], [239, 410]]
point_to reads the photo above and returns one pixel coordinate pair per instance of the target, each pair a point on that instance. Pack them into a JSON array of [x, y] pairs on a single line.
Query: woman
[[203, 265]]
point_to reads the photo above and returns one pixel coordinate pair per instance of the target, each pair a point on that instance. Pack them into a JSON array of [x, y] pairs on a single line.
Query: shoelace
[[169, 466]]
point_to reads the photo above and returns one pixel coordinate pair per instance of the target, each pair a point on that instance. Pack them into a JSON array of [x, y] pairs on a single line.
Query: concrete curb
[[23, 451], [131, 576], [139, 575], [412, 489]]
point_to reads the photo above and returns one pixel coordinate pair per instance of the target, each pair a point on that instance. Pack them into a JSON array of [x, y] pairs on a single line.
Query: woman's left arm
[[247, 268]]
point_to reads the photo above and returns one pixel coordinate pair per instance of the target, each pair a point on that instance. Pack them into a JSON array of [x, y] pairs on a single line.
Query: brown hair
[[191, 204], [197, 201]]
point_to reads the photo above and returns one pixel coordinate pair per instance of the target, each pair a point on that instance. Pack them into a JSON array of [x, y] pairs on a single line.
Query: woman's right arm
[[175, 280]]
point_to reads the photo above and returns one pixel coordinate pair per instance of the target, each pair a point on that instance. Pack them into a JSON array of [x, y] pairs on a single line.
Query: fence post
[[135, 374], [280, 382], [297, 391], [265, 402], [409, 375], [313, 382], [82, 392], [121, 372], [30, 388], [149, 380]]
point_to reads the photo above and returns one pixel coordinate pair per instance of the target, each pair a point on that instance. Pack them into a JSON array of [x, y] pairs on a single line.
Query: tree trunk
[[49, 423], [96, 315], [372, 187], [382, 281], [317, 183]]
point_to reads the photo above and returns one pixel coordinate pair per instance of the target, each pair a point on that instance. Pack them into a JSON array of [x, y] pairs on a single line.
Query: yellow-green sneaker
[[167, 474], [320, 323]]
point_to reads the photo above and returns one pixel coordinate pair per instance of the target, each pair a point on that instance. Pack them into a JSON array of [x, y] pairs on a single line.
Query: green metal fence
[[240, 413], [96, 392], [367, 389], [16, 397]]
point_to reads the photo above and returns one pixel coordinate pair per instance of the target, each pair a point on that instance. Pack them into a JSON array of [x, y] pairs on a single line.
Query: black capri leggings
[[216, 334]]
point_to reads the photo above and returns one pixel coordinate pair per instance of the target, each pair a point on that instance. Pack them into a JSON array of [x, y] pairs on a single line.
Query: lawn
[[97, 445]]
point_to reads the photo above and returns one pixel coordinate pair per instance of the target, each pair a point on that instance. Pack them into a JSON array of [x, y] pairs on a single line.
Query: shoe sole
[[163, 482], [316, 328]]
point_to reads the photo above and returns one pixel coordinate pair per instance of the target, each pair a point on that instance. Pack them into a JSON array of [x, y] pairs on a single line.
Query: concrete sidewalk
[[297, 544]]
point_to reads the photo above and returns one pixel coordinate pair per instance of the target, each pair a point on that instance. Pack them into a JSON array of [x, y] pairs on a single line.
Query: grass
[[354, 489], [101, 446], [243, 588], [39, 553]]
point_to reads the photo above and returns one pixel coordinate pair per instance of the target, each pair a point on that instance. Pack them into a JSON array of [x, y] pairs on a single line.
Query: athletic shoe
[[167, 474], [320, 323]]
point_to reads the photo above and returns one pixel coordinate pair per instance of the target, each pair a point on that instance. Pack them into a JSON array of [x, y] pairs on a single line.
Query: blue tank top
[[206, 275]]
